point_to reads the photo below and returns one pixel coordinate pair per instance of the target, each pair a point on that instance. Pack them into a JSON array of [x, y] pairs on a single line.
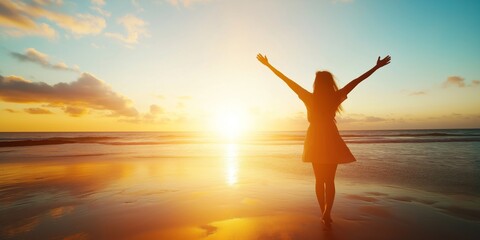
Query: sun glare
[[231, 160], [231, 124]]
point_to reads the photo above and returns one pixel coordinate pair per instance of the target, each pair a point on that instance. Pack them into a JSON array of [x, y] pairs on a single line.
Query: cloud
[[374, 119], [97, 7], [20, 19], [75, 111], [98, 2], [75, 98], [82, 24], [454, 81], [48, 2], [11, 15], [460, 82], [361, 119], [184, 97], [101, 11], [155, 109], [185, 3], [151, 116], [37, 111], [18, 24], [418, 93], [35, 56], [135, 28], [137, 6], [9, 110]]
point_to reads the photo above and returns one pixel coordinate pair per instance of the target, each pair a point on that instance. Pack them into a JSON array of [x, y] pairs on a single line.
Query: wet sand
[[60, 192]]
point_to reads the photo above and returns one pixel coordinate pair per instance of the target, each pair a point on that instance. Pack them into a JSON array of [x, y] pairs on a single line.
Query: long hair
[[324, 90]]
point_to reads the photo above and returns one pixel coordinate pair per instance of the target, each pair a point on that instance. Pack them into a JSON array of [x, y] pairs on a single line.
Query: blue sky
[[196, 59]]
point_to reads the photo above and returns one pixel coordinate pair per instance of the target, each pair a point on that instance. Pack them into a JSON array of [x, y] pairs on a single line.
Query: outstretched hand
[[383, 62], [263, 59]]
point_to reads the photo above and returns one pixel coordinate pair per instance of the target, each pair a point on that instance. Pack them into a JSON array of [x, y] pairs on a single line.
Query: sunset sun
[[231, 124]]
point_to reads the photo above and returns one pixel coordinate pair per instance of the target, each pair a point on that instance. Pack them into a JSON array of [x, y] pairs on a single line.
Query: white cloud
[[98, 2], [135, 28], [98, 7], [185, 3]]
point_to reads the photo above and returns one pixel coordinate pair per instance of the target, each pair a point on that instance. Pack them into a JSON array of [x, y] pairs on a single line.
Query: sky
[[190, 65]]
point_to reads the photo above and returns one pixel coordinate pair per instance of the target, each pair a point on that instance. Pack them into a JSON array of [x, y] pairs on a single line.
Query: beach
[[406, 184]]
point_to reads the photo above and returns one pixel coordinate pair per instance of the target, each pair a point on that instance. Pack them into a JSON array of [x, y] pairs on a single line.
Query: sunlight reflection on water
[[231, 163]]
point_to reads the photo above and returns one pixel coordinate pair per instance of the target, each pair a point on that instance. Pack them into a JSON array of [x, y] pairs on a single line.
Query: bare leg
[[330, 171], [325, 187], [330, 196], [320, 190]]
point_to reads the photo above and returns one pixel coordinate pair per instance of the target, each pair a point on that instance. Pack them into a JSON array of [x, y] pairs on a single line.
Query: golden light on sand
[[231, 168]]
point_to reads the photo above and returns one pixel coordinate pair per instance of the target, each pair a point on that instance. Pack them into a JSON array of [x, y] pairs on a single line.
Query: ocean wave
[[54, 141], [435, 134], [421, 140], [265, 138], [58, 141]]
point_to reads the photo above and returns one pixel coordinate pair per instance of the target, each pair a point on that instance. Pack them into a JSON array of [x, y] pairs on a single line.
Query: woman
[[324, 147]]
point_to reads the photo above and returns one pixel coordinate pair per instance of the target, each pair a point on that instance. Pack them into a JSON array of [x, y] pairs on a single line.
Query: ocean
[[195, 185]]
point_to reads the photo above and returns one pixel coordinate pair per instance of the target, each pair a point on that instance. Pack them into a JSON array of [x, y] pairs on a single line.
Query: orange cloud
[[20, 24], [20, 19], [454, 81], [75, 98], [35, 56], [458, 81], [134, 26], [9, 110], [47, 2], [37, 111], [75, 111], [11, 16]]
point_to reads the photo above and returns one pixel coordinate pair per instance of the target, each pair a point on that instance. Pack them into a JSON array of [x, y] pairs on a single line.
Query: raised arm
[[293, 85], [351, 85]]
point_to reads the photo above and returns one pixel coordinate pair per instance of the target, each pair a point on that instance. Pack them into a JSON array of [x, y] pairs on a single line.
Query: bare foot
[[327, 219], [327, 224]]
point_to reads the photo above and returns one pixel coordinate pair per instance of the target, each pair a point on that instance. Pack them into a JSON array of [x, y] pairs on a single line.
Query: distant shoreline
[[23, 139], [406, 129]]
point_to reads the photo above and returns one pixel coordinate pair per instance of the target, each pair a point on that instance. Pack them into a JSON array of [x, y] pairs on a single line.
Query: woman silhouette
[[324, 147]]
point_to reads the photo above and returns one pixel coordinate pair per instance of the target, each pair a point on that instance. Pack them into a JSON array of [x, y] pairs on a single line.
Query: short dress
[[323, 143]]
